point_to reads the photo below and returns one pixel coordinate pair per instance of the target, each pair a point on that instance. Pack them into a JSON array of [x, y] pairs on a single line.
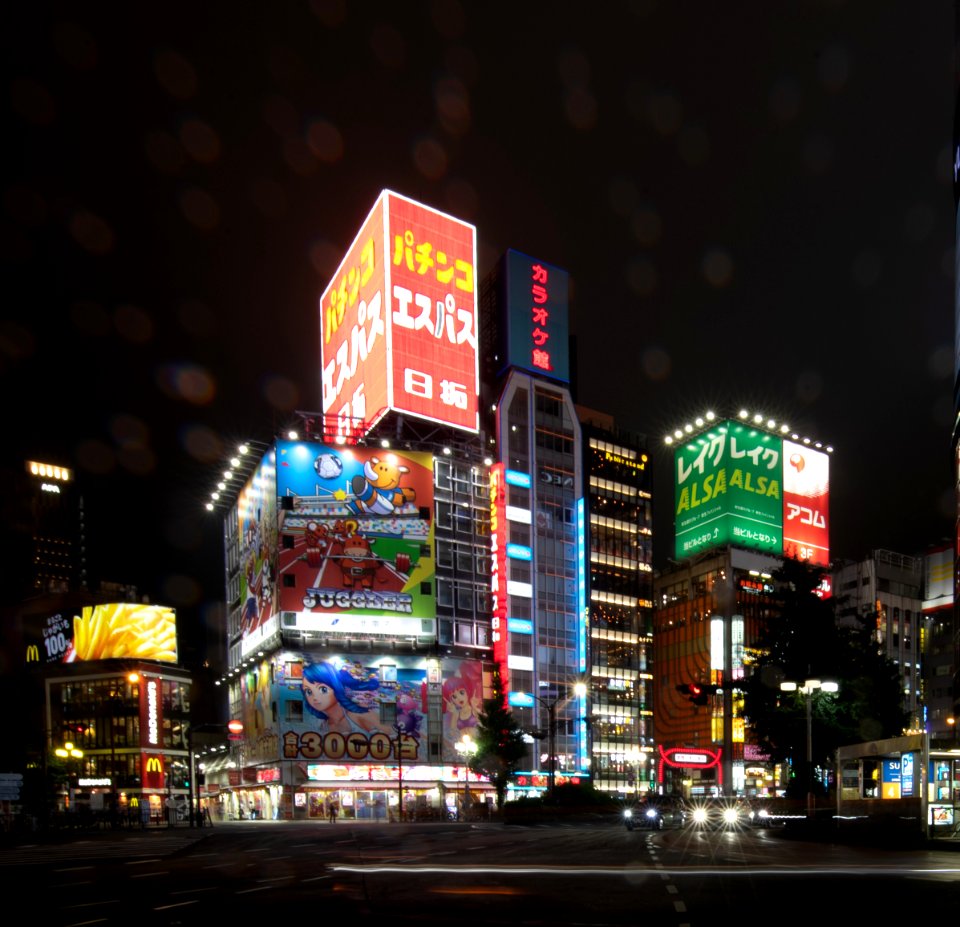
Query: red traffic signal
[[694, 693]]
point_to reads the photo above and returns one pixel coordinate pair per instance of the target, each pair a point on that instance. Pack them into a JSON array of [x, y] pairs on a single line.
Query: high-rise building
[[538, 517], [748, 491], [44, 539], [886, 588], [619, 505]]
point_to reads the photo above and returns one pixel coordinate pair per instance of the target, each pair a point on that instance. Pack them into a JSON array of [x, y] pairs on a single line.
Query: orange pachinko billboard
[[398, 321]]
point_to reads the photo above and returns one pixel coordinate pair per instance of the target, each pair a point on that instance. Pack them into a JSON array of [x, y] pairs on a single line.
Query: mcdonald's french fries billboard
[[119, 630]]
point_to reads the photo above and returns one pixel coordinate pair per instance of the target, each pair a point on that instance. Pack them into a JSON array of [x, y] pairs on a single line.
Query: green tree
[[501, 745], [805, 641]]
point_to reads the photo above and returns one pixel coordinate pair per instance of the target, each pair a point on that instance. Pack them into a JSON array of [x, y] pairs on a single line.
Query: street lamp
[[466, 746], [808, 688], [638, 757], [579, 690], [66, 752]]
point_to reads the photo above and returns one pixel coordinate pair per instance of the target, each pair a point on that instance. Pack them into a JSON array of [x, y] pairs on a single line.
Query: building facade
[[618, 481]]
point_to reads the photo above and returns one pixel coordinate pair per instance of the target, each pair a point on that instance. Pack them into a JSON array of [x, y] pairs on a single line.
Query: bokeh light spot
[[95, 456], [134, 324], [642, 276], [717, 268], [188, 382], [175, 74], [200, 141], [201, 443], [656, 363], [325, 141], [31, 100], [91, 232], [164, 152], [430, 158], [281, 393], [200, 209]]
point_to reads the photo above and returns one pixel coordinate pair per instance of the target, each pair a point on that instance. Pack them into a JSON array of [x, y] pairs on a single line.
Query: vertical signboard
[[537, 297], [399, 321], [498, 570], [806, 497]]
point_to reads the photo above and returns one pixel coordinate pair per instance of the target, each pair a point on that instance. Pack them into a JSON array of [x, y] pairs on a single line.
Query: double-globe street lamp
[[467, 747], [807, 689], [579, 690]]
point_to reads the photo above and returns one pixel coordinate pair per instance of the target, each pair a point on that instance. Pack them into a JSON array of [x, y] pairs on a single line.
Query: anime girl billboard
[[462, 704], [340, 711]]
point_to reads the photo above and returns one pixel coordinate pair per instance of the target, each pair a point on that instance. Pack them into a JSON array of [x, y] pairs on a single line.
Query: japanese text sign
[[398, 322]]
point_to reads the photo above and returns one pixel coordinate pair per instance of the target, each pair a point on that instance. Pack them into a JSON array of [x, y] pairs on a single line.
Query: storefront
[[294, 790]]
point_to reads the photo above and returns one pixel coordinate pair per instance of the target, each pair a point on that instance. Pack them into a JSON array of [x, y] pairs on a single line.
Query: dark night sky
[[755, 208]]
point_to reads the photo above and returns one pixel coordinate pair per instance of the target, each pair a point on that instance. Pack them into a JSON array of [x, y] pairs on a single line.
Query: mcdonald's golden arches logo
[[154, 764], [33, 653]]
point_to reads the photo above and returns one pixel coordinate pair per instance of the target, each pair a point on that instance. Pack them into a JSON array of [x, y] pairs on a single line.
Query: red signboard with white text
[[398, 322], [806, 497], [498, 569]]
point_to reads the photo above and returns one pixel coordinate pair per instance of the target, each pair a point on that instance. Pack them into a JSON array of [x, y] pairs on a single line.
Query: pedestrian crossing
[[105, 846]]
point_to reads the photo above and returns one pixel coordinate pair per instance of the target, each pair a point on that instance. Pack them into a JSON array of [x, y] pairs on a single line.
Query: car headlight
[[628, 813], [763, 813], [651, 813], [730, 815], [700, 815]]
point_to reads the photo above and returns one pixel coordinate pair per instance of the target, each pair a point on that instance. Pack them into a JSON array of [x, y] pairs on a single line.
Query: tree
[[804, 641], [501, 744]]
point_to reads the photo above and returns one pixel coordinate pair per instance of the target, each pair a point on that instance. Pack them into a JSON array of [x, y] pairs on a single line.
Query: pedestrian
[[144, 813], [206, 815], [332, 811]]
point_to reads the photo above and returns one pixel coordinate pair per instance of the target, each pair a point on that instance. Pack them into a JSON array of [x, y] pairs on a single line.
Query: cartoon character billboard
[[340, 710], [257, 531], [357, 551], [398, 321]]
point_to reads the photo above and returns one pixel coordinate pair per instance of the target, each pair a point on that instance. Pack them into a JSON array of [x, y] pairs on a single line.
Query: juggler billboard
[[398, 322], [736, 484]]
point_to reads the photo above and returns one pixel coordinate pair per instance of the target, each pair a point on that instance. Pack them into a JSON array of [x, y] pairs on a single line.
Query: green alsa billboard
[[728, 490]]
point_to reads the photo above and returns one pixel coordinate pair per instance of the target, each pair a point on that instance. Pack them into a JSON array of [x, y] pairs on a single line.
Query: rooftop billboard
[[537, 330], [739, 485], [398, 321], [115, 631]]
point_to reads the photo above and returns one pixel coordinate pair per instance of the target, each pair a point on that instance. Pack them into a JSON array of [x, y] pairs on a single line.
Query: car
[[719, 813], [768, 812], [654, 814]]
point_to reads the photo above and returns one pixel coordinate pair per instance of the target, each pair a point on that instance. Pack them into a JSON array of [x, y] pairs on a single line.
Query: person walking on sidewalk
[[332, 809]]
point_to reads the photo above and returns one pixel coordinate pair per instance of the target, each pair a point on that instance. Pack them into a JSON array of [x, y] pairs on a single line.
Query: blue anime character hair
[[342, 681]]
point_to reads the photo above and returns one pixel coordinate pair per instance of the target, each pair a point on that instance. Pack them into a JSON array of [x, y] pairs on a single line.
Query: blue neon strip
[[520, 700], [519, 626], [583, 740], [516, 478]]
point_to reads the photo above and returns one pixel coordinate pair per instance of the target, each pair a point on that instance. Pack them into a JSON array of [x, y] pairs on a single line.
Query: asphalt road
[[463, 874]]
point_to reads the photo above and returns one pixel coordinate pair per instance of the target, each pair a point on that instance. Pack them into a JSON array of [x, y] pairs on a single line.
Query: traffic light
[[695, 694]]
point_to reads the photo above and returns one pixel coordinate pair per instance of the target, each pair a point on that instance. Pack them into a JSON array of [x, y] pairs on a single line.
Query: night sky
[[755, 209]]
